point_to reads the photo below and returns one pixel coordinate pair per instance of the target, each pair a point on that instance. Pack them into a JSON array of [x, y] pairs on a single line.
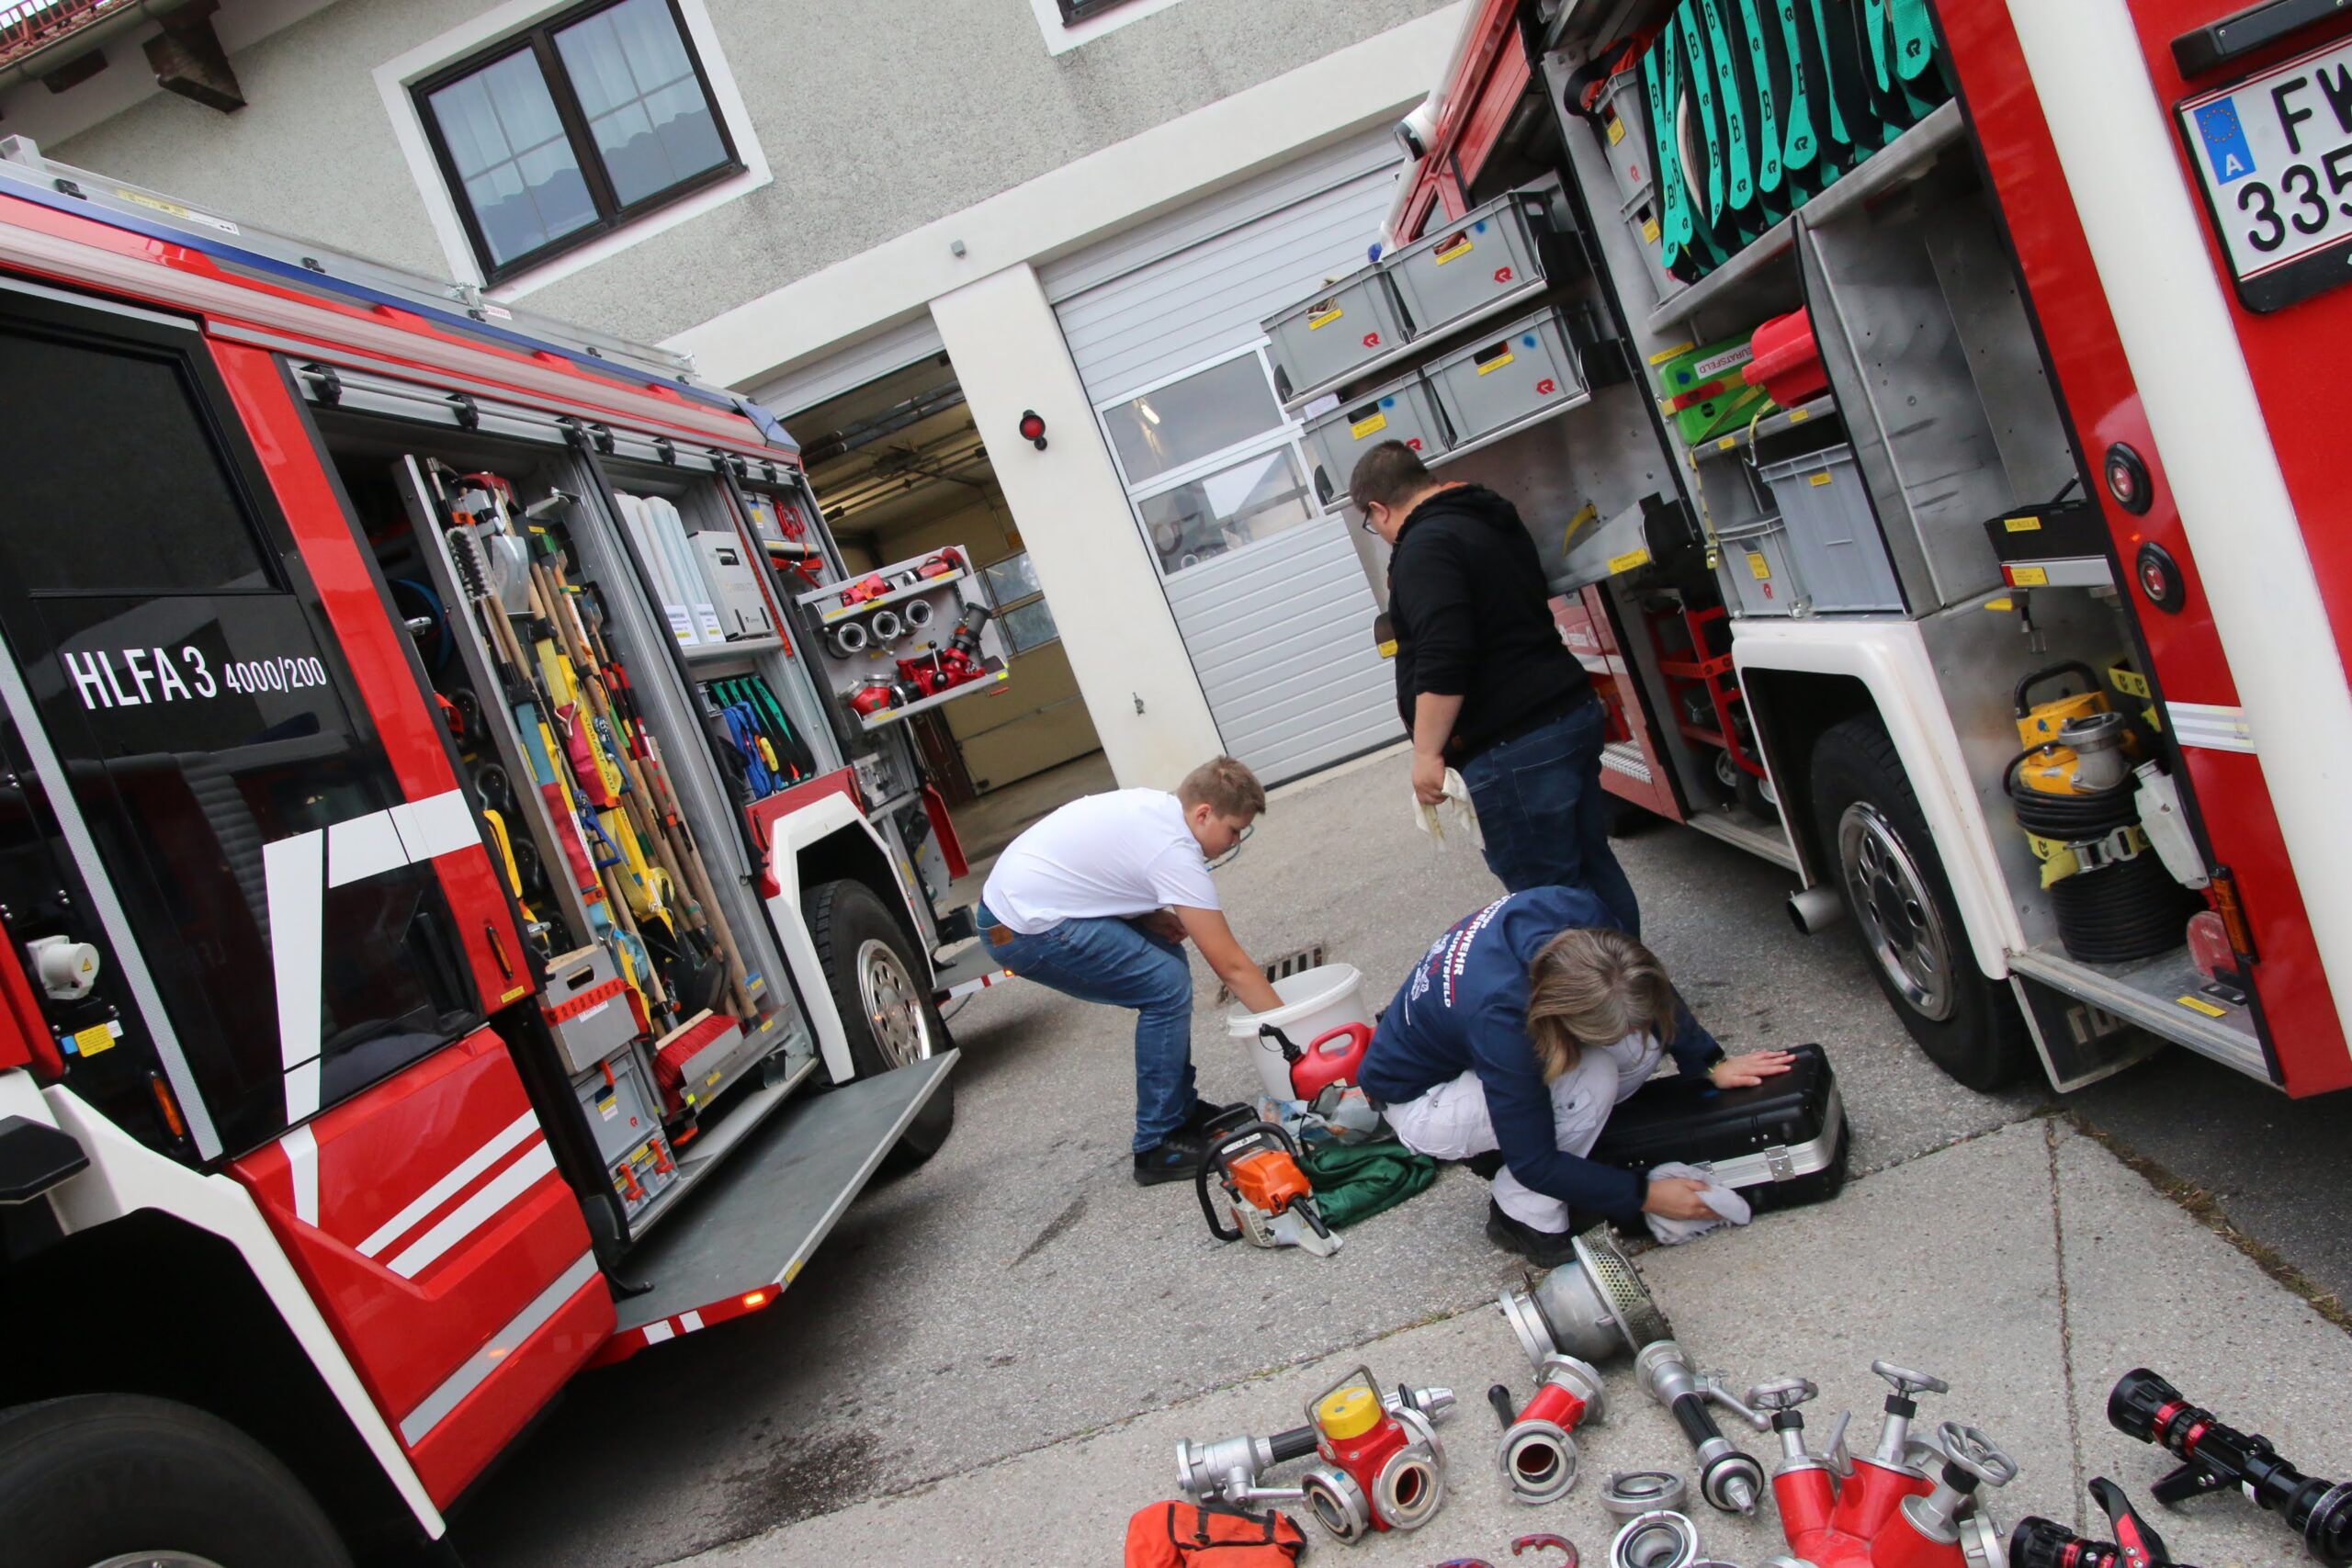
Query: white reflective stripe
[[437, 826], [303, 1160], [657, 1332], [2209, 725], [476, 1211], [302, 1090], [689, 1322], [295, 872], [477, 1366], [364, 846], [441, 1192]]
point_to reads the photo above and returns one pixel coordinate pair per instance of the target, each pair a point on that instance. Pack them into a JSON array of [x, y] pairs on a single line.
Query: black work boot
[[1174, 1158], [1546, 1249], [1204, 1111]]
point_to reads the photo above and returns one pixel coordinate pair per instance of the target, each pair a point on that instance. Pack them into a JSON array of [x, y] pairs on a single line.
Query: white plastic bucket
[[1315, 1002]]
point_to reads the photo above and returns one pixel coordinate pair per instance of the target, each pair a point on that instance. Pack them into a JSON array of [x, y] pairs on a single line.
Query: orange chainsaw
[[1273, 1203]]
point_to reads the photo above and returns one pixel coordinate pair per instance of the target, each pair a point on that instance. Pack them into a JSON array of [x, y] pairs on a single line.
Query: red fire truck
[[1932, 477], [442, 824]]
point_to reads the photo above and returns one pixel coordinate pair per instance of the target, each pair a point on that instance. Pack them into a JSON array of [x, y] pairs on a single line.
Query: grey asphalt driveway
[[1019, 1289]]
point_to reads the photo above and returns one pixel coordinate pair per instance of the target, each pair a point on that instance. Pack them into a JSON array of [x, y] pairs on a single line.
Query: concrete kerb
[[2026, 1266]]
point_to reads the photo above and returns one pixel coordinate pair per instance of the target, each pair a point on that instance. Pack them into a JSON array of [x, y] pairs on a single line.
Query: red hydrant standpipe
[[1805, 1486], [1383, 1470], [1880, 1484], [1537, 1454], [1925, 1532]]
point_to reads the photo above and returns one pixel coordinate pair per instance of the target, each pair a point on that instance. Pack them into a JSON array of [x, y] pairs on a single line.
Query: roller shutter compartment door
[[1268, 590]]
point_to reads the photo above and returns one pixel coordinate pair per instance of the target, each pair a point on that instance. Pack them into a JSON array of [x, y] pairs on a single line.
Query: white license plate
[[2274, 156]]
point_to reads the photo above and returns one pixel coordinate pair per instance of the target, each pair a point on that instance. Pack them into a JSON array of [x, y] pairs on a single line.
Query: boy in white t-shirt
[[1096, 901]]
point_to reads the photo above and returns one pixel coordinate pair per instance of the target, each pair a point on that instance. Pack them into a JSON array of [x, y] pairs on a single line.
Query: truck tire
[[1902, 906], [883, 995], [105, 1477]]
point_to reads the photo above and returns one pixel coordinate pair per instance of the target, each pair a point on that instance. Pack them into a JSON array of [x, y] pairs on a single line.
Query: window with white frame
[[1209, 460], [1022, 614], [570, 128]]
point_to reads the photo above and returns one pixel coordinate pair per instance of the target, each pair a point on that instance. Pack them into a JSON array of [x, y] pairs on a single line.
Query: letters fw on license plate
[[2274, 156]]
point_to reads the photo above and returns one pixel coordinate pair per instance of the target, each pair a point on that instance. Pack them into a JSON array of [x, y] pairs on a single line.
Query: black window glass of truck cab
[[135, 501], [197, 728], [107, 1050]]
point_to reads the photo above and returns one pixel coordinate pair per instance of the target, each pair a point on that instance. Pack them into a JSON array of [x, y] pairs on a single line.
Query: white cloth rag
[[1728, 1205], [1454, 807]]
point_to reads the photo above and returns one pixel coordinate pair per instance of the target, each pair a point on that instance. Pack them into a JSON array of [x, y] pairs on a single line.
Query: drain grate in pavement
[[1283, 968]]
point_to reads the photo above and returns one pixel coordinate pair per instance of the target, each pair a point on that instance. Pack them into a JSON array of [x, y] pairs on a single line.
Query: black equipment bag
[[1783, 1142]]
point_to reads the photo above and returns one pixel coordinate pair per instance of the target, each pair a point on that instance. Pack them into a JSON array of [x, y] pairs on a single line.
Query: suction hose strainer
[[1596, 1308]]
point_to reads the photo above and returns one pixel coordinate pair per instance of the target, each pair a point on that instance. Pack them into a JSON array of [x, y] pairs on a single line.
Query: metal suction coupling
[[886, 626], [1596, 1308], [1629, 1494], [1538, 1454], [917, 613], [1730, 1481], [848, 640], [1661, 1538], [1228, 1470]]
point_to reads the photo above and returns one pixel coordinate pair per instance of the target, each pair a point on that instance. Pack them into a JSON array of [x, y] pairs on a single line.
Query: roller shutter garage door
[[1268, 590]]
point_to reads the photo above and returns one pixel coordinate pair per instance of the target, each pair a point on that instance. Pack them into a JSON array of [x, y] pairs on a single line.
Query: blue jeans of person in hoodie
[[1544, 814]]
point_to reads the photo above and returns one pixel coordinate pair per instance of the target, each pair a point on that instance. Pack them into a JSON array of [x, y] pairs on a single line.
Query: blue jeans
[[1112, 962], [1545, 816]]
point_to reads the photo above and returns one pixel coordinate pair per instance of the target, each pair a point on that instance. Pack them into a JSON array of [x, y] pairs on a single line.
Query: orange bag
[[1186, 1535]]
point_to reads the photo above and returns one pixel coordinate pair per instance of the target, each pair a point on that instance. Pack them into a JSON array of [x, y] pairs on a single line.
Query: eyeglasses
[[1365, 522], [1239, 840]]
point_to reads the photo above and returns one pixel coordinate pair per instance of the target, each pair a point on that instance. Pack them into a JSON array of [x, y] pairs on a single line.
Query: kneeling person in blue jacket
[[1521, 1029]]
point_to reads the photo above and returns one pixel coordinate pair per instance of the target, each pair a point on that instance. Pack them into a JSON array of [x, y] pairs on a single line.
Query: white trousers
[[1451, 1122]]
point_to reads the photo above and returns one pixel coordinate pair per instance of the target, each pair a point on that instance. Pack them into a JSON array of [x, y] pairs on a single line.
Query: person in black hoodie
[[1484, 682]]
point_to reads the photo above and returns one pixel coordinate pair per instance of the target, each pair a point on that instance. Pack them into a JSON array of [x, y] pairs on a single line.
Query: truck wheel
[[1902, 906], [884, 998], [121, 1478]]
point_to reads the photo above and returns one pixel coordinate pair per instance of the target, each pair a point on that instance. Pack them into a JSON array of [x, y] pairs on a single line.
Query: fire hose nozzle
[[2217, 1456]]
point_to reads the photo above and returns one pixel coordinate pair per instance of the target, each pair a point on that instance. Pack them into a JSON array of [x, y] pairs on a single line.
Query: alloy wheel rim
[[1899, 919], [893, 1006]]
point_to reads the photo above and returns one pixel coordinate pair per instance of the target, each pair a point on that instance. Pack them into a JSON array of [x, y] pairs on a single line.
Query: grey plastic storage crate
[[1625, 127], [1456, 271], [1642, 220], [1520, 371], [1351, 324], [1756, 571], [1833, 538], [1402, 410]]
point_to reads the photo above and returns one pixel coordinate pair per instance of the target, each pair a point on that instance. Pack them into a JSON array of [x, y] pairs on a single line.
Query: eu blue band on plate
[[2225, 144]]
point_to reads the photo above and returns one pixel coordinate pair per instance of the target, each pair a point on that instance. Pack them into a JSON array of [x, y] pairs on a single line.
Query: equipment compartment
[[908, 637]]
